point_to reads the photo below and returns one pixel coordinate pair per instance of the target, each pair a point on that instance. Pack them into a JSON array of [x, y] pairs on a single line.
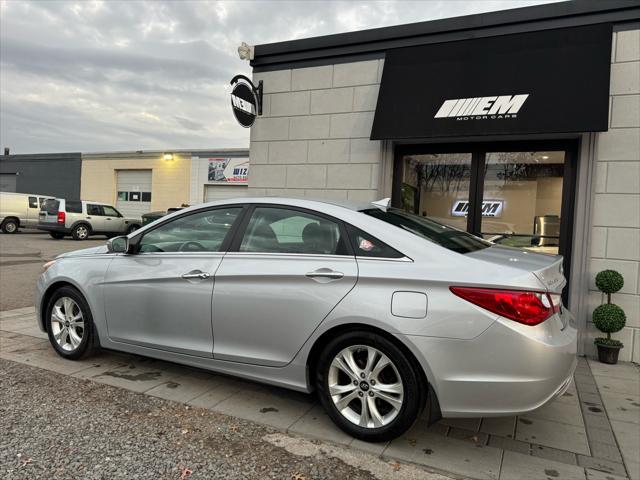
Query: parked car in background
[[19, 210], [147, 218], [382, 312], [81, 219]]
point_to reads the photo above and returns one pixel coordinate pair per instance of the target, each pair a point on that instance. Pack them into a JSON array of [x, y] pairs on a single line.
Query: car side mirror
[[118, 244]]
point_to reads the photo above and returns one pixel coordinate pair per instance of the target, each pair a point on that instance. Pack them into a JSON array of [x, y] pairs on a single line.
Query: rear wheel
[[80, 232], [70, 324], [368, 386], [10, 225], [56, 235]]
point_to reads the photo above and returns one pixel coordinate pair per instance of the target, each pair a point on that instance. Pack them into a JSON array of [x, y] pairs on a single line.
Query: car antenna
[[384, 203]]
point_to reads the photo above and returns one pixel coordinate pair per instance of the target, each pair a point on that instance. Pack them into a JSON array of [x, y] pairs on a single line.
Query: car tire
[[132, 229], [10, 225], [70, 324], [81, 231], [393, 392], [56, 235]]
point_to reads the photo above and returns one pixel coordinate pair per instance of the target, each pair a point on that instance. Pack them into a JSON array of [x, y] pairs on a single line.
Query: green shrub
[[609, 281], [608, 342], [609, 318]]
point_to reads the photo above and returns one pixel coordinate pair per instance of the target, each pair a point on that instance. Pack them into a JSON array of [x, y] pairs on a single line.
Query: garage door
[[7, 182], [134, 192], [223, 192]]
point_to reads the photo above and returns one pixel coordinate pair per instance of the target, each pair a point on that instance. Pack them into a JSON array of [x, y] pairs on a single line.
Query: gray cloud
[[94, 75]]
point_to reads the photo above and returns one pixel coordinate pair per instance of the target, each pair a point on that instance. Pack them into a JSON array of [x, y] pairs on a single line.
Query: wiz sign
[[503, 106]]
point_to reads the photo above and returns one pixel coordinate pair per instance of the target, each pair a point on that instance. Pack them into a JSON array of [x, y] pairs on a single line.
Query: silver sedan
[[381, 312]]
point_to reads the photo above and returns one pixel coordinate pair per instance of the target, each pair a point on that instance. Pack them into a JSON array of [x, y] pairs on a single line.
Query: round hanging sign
[[244, 102]]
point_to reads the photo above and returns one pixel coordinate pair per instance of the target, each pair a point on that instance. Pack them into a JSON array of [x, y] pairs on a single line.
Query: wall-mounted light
[[168, 156]]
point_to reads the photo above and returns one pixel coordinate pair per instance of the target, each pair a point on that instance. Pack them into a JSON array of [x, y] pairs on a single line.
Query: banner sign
[[548, 81], [228, 170]]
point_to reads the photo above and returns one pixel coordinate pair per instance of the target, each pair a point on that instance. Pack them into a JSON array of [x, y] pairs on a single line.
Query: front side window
[[199, 232], [281, 230], [109, 211], [33, 202], [439, 233]]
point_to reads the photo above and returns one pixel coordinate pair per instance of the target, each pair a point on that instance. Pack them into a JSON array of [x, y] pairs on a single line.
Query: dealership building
[[522, 126]]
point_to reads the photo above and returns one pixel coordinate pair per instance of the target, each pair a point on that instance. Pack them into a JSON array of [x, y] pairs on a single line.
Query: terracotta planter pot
[[608, 354]]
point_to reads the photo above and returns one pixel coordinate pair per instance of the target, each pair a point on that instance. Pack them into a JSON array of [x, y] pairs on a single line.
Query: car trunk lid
[[548, 269]]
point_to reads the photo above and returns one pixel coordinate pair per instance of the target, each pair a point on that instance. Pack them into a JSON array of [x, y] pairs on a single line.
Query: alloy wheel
[[82, 232], [67, 324], [365, 386]]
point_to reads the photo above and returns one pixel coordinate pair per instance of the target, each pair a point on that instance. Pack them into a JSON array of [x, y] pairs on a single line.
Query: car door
[[160, 296], [284, 274], [113, 221], [33, 212], [95, 217]]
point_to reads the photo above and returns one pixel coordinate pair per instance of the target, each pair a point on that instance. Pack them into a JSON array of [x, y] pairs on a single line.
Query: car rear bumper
[[53, 227], [509, 369]]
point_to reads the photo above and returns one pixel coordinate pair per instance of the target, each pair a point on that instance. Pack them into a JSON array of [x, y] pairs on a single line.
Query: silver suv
[[81, 218]]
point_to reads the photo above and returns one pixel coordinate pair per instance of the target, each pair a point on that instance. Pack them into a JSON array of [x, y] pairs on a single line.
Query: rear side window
[[93, 209], [50, 206], [73, 207], [443, 235], [33, 202], [365, 245], [282, 230]]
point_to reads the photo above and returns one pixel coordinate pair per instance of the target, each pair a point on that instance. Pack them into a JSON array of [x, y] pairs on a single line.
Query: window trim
[[134, 241], [242, 229]]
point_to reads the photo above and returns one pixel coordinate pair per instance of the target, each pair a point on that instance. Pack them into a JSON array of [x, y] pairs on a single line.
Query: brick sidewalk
[[590, 433]]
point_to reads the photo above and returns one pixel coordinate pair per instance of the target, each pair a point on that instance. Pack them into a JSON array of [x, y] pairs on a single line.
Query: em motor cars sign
[[246, 100]]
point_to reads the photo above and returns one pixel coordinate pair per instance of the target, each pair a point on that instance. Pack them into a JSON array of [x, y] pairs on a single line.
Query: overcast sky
[[132, 75]]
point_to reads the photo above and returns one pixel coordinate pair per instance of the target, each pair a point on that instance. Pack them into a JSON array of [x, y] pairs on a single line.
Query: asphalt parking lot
[[22, 255]]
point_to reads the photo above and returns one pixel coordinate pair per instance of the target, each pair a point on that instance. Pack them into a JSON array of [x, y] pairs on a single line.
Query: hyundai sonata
[[381, 312]]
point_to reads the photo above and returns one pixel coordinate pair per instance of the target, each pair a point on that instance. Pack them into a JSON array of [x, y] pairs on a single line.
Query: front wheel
[[368, 386], [10, 225], [69, 324]]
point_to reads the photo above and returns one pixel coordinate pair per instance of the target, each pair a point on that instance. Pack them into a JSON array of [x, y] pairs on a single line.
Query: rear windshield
[[443, 235], [50, 206]]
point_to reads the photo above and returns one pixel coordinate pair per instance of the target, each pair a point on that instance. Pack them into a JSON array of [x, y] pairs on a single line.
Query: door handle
[[88, 218], [325, 273], [196, 274], [107, 219]]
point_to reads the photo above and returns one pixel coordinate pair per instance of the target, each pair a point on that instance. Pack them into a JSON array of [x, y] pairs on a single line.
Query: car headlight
[[48, 265]]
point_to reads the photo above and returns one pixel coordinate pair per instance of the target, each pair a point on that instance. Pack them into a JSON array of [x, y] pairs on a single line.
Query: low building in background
[[48, 174]]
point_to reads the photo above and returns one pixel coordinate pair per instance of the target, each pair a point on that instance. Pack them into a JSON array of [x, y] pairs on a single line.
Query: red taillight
[[530, 308], [61, 217]]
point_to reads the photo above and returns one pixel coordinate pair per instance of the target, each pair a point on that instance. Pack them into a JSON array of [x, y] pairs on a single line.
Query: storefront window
[[437, 186], [522, 199]]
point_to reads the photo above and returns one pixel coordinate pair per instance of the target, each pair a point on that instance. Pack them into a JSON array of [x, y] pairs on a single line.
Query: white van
[[19, 210]]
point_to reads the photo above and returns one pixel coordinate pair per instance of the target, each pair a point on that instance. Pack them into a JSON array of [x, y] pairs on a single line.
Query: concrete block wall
[[313, 137], [615, 219]]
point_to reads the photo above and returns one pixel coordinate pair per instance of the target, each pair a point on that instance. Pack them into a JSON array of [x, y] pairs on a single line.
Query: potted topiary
[[609, 318]]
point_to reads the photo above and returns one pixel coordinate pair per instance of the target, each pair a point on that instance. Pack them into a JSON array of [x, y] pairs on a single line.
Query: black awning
[[553, 81]]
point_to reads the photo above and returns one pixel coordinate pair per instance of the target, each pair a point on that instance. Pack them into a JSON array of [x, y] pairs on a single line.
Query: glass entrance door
[[517, 194], [522, 199]]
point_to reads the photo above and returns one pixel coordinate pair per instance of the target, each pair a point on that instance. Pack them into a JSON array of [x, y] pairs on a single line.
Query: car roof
[[292, 201]]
